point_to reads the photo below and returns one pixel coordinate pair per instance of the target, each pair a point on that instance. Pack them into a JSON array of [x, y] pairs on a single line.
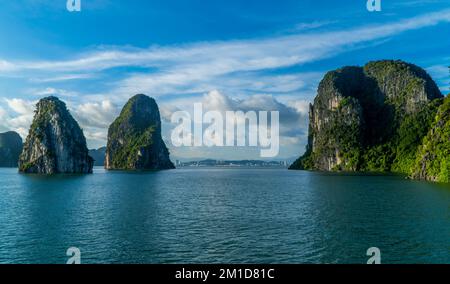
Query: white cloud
[[301, 106], [95, 119], [439, 71], [216, 100], [199, 67], [6, 66], [3, 119], [20, 106], [416, 3], [18, 117], [99, 115], [67, 77], [96, 138], [312, 25], [293, 121], [49, 91]]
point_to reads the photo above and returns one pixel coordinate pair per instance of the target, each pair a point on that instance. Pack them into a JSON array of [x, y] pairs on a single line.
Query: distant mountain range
[[99, 161]]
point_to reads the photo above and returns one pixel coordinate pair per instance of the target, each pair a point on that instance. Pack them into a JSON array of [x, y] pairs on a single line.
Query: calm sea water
[[222, 216]]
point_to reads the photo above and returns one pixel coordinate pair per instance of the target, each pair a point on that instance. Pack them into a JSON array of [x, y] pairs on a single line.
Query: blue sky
[[230, 55]]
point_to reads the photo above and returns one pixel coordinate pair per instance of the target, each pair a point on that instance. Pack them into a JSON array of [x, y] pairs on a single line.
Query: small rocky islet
[[99, 156], [56, 144], [134, 138], [10, 148], [388, 116]]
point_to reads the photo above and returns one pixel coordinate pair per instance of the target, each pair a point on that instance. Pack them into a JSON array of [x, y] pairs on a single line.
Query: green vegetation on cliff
[[55, 142], [376, 118], [134, 138], [132, 131], [432, 161], [398, 151]]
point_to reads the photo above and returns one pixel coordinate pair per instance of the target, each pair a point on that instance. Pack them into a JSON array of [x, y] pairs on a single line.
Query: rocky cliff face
[[362, 118], [433, 157], [134, 138], [55, 143], [10, 149]]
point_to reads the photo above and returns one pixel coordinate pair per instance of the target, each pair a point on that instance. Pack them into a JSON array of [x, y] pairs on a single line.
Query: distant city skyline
[[229, 55]]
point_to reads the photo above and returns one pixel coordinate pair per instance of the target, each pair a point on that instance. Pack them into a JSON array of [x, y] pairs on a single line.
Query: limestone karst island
[[134, 138], [56, 144], [388, 116], [10, 149]]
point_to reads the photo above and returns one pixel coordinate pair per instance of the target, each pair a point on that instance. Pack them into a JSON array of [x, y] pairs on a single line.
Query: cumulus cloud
[[97, 114], [301, 106], [293, 118], [290, 117], [3, 119], [6, 66], [18, 116], [214, 100], [95, 119], [20, 106]]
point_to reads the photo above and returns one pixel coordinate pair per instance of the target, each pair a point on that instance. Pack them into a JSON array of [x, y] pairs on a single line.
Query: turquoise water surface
[[222, 216]]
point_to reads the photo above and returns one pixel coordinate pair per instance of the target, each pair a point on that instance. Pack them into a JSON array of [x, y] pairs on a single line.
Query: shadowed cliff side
[[10, 149], [433, 156], [370, 118]]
